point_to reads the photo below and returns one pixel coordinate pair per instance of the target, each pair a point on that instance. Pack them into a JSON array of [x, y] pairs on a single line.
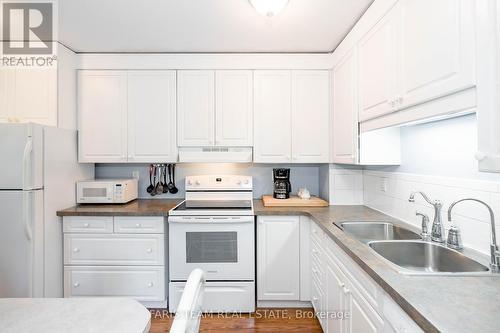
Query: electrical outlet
[[135, 174], [383, 184]]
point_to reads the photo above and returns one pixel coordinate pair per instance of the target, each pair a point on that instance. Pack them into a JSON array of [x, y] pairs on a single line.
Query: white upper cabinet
[[272, 116], [310, 116], [437, 49], [196, 107], [378, 68], [29, 95], [102, 116], [152, 116], [345, 110], [127, 116], [291, 116], [234, 108]]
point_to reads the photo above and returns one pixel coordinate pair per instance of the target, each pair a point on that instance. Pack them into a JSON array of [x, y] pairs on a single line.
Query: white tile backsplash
[[346, 186], [472, 218]]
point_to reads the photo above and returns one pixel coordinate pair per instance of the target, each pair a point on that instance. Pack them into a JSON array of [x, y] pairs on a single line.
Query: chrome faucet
[[425, 226], [495, 253], [437, 231]]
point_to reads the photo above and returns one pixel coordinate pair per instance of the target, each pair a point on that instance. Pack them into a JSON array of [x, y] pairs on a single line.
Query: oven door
[[223, 247]]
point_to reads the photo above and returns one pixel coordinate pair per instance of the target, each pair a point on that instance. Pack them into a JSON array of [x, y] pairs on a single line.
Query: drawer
[[139, 224], [82, 249], [316, 253], [317, 234], [88, 224], [318, 273], [361, 280], [140, 283], [218, 296]]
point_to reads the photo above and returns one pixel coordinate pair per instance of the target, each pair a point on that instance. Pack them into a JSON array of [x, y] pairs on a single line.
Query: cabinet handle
[[315, 231], [150, 284], [76, 250], [315, 251], [346, 290], [138, 225], [399, 99], [480, 156], [86, 225], [315, 271], [149, 250], [315, 299], [76, 284]]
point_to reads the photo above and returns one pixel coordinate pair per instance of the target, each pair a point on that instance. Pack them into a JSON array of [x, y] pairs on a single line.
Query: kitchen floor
[[263, 320]]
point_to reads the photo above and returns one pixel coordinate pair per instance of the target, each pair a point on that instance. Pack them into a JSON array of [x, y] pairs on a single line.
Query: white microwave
[[106, 191]]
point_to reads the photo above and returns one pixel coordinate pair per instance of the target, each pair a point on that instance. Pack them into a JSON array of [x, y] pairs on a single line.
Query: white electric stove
[[213, 229]]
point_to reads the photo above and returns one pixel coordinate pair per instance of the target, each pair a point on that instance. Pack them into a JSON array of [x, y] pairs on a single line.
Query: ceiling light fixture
[[269, 8]]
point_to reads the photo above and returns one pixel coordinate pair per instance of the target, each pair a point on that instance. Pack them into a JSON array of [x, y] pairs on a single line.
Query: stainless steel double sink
[[408, 253]]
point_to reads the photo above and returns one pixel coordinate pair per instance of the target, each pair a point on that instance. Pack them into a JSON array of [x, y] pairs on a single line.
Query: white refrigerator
[[38, 172]]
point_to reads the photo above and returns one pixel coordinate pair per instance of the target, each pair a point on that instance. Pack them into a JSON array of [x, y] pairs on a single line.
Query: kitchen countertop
[[435, 303], [76, 315], [140, 207]]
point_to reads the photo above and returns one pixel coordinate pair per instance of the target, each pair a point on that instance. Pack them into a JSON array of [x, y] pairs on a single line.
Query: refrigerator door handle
[[27, 164], [27, 218]]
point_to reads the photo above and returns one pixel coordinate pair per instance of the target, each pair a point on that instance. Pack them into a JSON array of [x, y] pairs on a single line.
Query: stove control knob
[[238, 182], [246, 182], [198, 182], [190, 182]]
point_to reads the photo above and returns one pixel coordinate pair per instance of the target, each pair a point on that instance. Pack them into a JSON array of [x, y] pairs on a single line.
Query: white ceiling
[[204, 25]]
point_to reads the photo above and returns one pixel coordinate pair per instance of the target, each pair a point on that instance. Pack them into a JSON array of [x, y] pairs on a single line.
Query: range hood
[[215, 154]]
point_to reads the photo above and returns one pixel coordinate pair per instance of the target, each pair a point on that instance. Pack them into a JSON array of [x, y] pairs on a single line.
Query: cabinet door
[[345, 111], [310, 116], [102, 116], [196, 104], [278, 262], [151, 116], [378, 67], [363, 317], [29, 95], [272, 117], [234, 108], [335, 283], [437, 57]]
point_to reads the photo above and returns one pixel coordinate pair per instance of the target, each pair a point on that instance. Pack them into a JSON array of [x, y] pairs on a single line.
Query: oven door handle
[[211, 220]]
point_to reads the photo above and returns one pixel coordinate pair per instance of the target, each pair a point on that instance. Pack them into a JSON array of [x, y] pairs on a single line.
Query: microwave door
[[95, 193]]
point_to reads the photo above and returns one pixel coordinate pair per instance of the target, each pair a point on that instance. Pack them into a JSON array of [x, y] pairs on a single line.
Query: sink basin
[[370, 231], [426, 257]]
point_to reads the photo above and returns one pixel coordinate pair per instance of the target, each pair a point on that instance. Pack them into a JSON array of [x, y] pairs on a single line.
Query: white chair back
[[188, 315]]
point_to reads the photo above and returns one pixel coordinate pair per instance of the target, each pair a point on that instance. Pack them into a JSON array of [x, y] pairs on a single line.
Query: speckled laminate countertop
[[435, 303], [141, 207]]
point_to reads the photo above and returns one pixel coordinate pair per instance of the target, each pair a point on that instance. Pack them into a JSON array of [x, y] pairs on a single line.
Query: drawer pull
[[76, 250], [315, 299], [150, 284], [86, 225], [315, 251], [138, 225], [149, 250], [346, 290], [76, 284]]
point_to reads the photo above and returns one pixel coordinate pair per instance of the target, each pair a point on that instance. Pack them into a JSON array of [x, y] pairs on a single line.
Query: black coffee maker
[[282, 186]]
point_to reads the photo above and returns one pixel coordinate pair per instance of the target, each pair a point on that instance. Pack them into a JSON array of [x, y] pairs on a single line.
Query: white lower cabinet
[[345, 298], [278, 258], [115, 256], [283, 261], [145, 283]]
